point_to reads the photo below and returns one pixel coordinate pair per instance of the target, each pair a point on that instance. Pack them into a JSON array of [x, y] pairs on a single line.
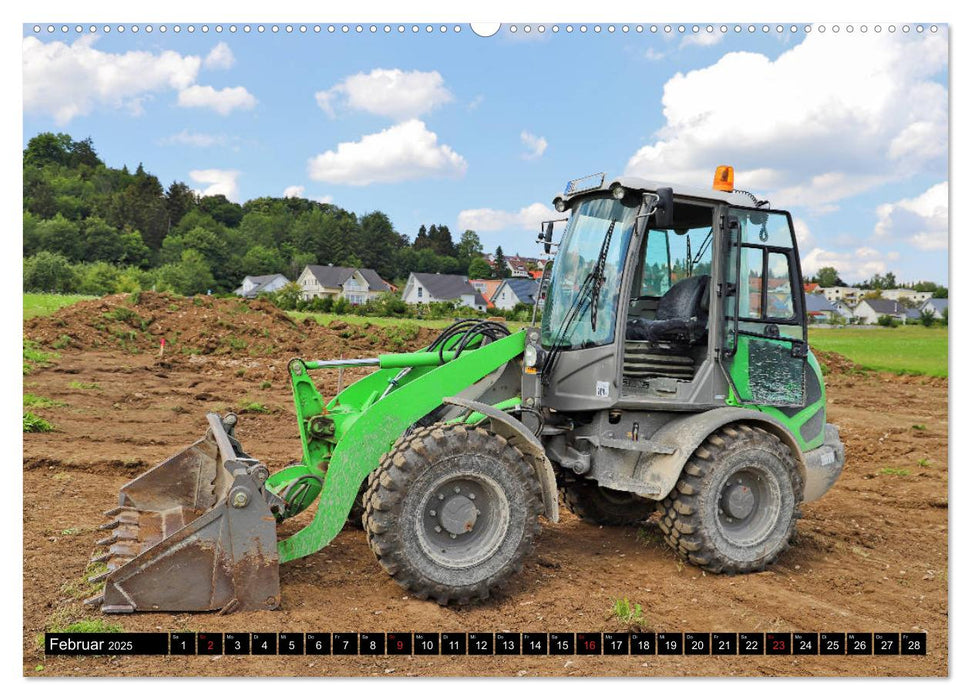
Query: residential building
[[356, 284], [486, 288], [428, 287], [515, 290], [906, 294], [842, 308], [261, 284], [870, 310], [850, 295], [517, 265], [938, 306], [819, 308]]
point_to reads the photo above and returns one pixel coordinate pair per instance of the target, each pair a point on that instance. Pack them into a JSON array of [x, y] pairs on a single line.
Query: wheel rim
[[749, 504], [462, 520]]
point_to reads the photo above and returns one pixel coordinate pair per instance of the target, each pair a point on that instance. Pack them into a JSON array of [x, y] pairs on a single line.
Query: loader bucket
[[197, 532]]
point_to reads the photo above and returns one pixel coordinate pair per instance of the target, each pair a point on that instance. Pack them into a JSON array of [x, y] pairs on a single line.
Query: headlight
[[559, 204], [529, 356], [618, 192]]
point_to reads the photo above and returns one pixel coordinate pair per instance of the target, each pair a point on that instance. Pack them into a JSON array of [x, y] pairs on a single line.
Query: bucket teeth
[[95, 600], [99, 578], [101, 558]]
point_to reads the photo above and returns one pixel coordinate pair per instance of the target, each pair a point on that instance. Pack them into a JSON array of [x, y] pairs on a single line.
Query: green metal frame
[[345, 440]]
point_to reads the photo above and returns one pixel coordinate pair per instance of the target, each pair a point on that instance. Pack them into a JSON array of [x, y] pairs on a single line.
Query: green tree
[[260, 260], [499, 267], [48, 149], [59, 235], [222, 210], [469, 246], [98, 278], [49, 272], [191, 275], [479, 268], [828, 277], [927, 318], [180, 199], [378, 243]]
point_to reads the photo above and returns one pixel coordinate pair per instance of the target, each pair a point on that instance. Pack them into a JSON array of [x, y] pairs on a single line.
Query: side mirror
[[664, 209], [548, 236]]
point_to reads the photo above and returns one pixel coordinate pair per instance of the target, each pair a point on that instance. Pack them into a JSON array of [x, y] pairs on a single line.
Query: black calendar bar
[[488, 643]]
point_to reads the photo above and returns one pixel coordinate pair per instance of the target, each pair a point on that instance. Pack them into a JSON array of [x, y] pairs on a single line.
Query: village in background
[[91, 229]]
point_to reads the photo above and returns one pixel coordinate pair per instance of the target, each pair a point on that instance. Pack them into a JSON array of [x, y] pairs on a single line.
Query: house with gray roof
[[938, 306], [515, 290], [820, 309], [356, 284], [870, 310], [427, 287], [254, 285]]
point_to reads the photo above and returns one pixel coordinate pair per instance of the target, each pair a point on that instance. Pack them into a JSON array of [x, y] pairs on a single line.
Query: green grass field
[[46, 304], [907, 349]]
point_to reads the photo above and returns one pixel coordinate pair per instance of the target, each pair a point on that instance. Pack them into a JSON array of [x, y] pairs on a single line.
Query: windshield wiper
[[598, 275]]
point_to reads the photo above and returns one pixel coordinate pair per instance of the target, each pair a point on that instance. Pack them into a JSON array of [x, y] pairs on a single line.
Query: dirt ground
[[870, 556]]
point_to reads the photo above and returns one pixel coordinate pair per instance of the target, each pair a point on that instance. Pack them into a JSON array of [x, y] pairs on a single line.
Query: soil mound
[[204, 325]]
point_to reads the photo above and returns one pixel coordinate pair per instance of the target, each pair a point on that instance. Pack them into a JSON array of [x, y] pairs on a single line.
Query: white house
[[906, 294], [356, 284], [427, 287], [938, 306], [870, 310], [261, 284], [848, 295], [513, 291]]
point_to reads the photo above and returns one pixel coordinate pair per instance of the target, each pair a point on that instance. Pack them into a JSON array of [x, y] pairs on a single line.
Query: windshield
[[575, 260]]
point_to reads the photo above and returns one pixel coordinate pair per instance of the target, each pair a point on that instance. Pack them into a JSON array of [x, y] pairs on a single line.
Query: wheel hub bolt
[[431, 513], [438, 528]]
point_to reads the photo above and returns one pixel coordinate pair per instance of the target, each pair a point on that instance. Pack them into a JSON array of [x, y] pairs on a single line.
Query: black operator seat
[[682, 315]]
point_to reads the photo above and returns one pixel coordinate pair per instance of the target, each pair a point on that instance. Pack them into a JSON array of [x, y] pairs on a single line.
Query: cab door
[[764, 344]]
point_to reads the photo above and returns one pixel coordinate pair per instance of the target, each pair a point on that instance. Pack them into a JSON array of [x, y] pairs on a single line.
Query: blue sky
[[848, 131]]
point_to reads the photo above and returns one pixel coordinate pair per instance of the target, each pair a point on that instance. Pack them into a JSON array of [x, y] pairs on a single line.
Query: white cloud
[[476, 101], [856, 265], [325, 199], [830, 118], [390, 93], [653, 54], [407, 151], [921, 221], [804, 236], [195, 138], [221, 56], [219, 181], [68, 80], [702, 39], [535, 145], [294, 191], [221, 101], [527, 218]]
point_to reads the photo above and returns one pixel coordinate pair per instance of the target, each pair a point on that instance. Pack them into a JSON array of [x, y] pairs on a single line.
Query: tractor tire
[[735, 506], [595, 504], [452, 512]]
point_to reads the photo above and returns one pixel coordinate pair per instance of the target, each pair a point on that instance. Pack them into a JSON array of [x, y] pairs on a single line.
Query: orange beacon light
[[724, 178]]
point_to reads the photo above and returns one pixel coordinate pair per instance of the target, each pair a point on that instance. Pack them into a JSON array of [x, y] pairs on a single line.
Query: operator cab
[[670, 298], [681, 299]]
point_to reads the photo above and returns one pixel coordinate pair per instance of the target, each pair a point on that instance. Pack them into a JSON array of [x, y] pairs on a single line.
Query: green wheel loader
[[670, 372]]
